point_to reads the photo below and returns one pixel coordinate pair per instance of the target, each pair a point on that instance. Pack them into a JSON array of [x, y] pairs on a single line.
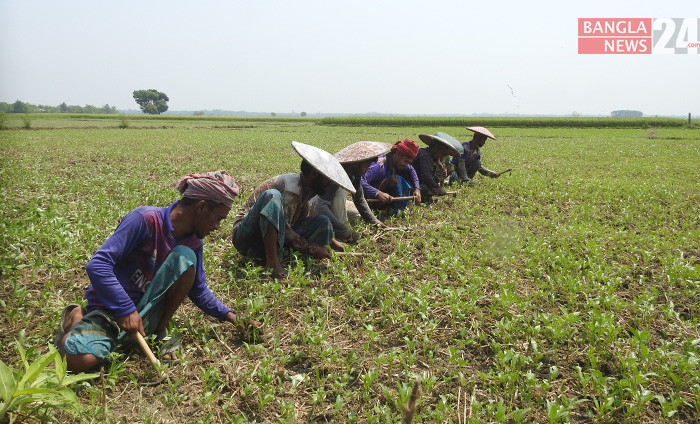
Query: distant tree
[[303, 114], [626, 114], [107, 109], [63, 107], [198, 113], [19, 107], [273, 114], [575, 114], [151, 101]]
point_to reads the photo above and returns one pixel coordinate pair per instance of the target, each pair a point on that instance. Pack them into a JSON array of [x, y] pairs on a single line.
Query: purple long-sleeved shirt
[[123, 267], [382, 169]]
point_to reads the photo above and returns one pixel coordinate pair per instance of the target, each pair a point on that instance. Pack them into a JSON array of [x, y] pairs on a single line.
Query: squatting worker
[[393, 176], [447, 160], [467, 165], [429, 164], [276, 213], [142, 273], [356, 160]]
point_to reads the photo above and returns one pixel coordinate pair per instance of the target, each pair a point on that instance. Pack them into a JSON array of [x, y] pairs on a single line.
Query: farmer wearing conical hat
[[393, 176], [429, 163], [276, 213], [467, 165], [142, 273], [356, 160]]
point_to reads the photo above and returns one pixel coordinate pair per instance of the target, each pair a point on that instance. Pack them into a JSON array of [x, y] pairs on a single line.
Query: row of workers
[[142, 273]]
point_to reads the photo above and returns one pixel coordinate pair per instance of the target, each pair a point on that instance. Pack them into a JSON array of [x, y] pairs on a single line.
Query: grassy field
[[53, 121], [566, 291]]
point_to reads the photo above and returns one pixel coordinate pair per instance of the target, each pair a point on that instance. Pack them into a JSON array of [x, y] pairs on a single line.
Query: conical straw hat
[[432, 139], [362, 151], [325, 163], [482, 130], [455, 143]]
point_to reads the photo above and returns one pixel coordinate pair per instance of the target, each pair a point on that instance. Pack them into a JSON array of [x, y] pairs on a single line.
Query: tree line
[[22, 107]]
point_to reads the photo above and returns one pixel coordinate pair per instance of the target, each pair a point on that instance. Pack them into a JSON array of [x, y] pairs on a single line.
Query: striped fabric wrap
[[217, 186]]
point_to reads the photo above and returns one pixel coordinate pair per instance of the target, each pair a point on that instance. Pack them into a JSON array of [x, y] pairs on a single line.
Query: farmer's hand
[[319, 252], [131, 324], [443, 172], [417, 194], [337, 245], [383, 197], [498, 174], [241, 324]]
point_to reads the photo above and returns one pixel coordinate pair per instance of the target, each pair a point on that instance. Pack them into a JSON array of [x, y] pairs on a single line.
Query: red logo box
[[614, 27], [614, 45], [614, 35]]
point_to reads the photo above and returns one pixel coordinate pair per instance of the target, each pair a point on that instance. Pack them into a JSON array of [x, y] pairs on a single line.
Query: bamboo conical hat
[[432, 139], [362, 151], [325, 163], [482, 130], [455, 143]]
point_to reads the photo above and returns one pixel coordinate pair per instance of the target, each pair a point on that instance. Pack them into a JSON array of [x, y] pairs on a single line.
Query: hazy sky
[[397, 56]]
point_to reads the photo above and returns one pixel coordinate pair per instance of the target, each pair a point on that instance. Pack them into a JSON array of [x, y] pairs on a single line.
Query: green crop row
[[512, 122], [47, 120]]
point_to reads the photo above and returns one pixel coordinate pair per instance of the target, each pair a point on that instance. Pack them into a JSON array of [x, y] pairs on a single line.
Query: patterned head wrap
[[216, 186], [407, 147]]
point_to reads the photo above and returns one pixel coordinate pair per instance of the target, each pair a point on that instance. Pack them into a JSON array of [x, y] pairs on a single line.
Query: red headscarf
[[217, 186], [407, 147]]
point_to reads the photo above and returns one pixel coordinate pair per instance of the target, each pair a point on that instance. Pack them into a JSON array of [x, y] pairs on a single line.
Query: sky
[[439, 57]]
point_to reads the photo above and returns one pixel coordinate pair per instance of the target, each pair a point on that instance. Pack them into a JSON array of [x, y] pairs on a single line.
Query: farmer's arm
[[291, 238], [130, 233], [363, 208], [298, 243], [461, 168], [322, 206], [487, 172], [201, 295], [372, 176], [416, 184]]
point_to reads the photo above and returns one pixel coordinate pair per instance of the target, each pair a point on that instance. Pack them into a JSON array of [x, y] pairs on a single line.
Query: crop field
[[565, 291]]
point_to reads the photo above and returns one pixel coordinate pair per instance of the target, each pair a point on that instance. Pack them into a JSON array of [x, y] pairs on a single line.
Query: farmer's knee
[[81, 362], [184, 254]]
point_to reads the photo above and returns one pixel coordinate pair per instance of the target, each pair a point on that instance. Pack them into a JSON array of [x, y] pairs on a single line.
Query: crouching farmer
[[276, 215], [355, 160], [142, 273]]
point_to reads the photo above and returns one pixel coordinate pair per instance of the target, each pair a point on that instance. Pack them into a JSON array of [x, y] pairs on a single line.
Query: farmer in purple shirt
[[393, 176], [142, 273]]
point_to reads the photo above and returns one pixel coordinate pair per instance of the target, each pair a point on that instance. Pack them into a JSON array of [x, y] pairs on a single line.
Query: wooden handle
[[357, 254], [393, 199], [147, 350]]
